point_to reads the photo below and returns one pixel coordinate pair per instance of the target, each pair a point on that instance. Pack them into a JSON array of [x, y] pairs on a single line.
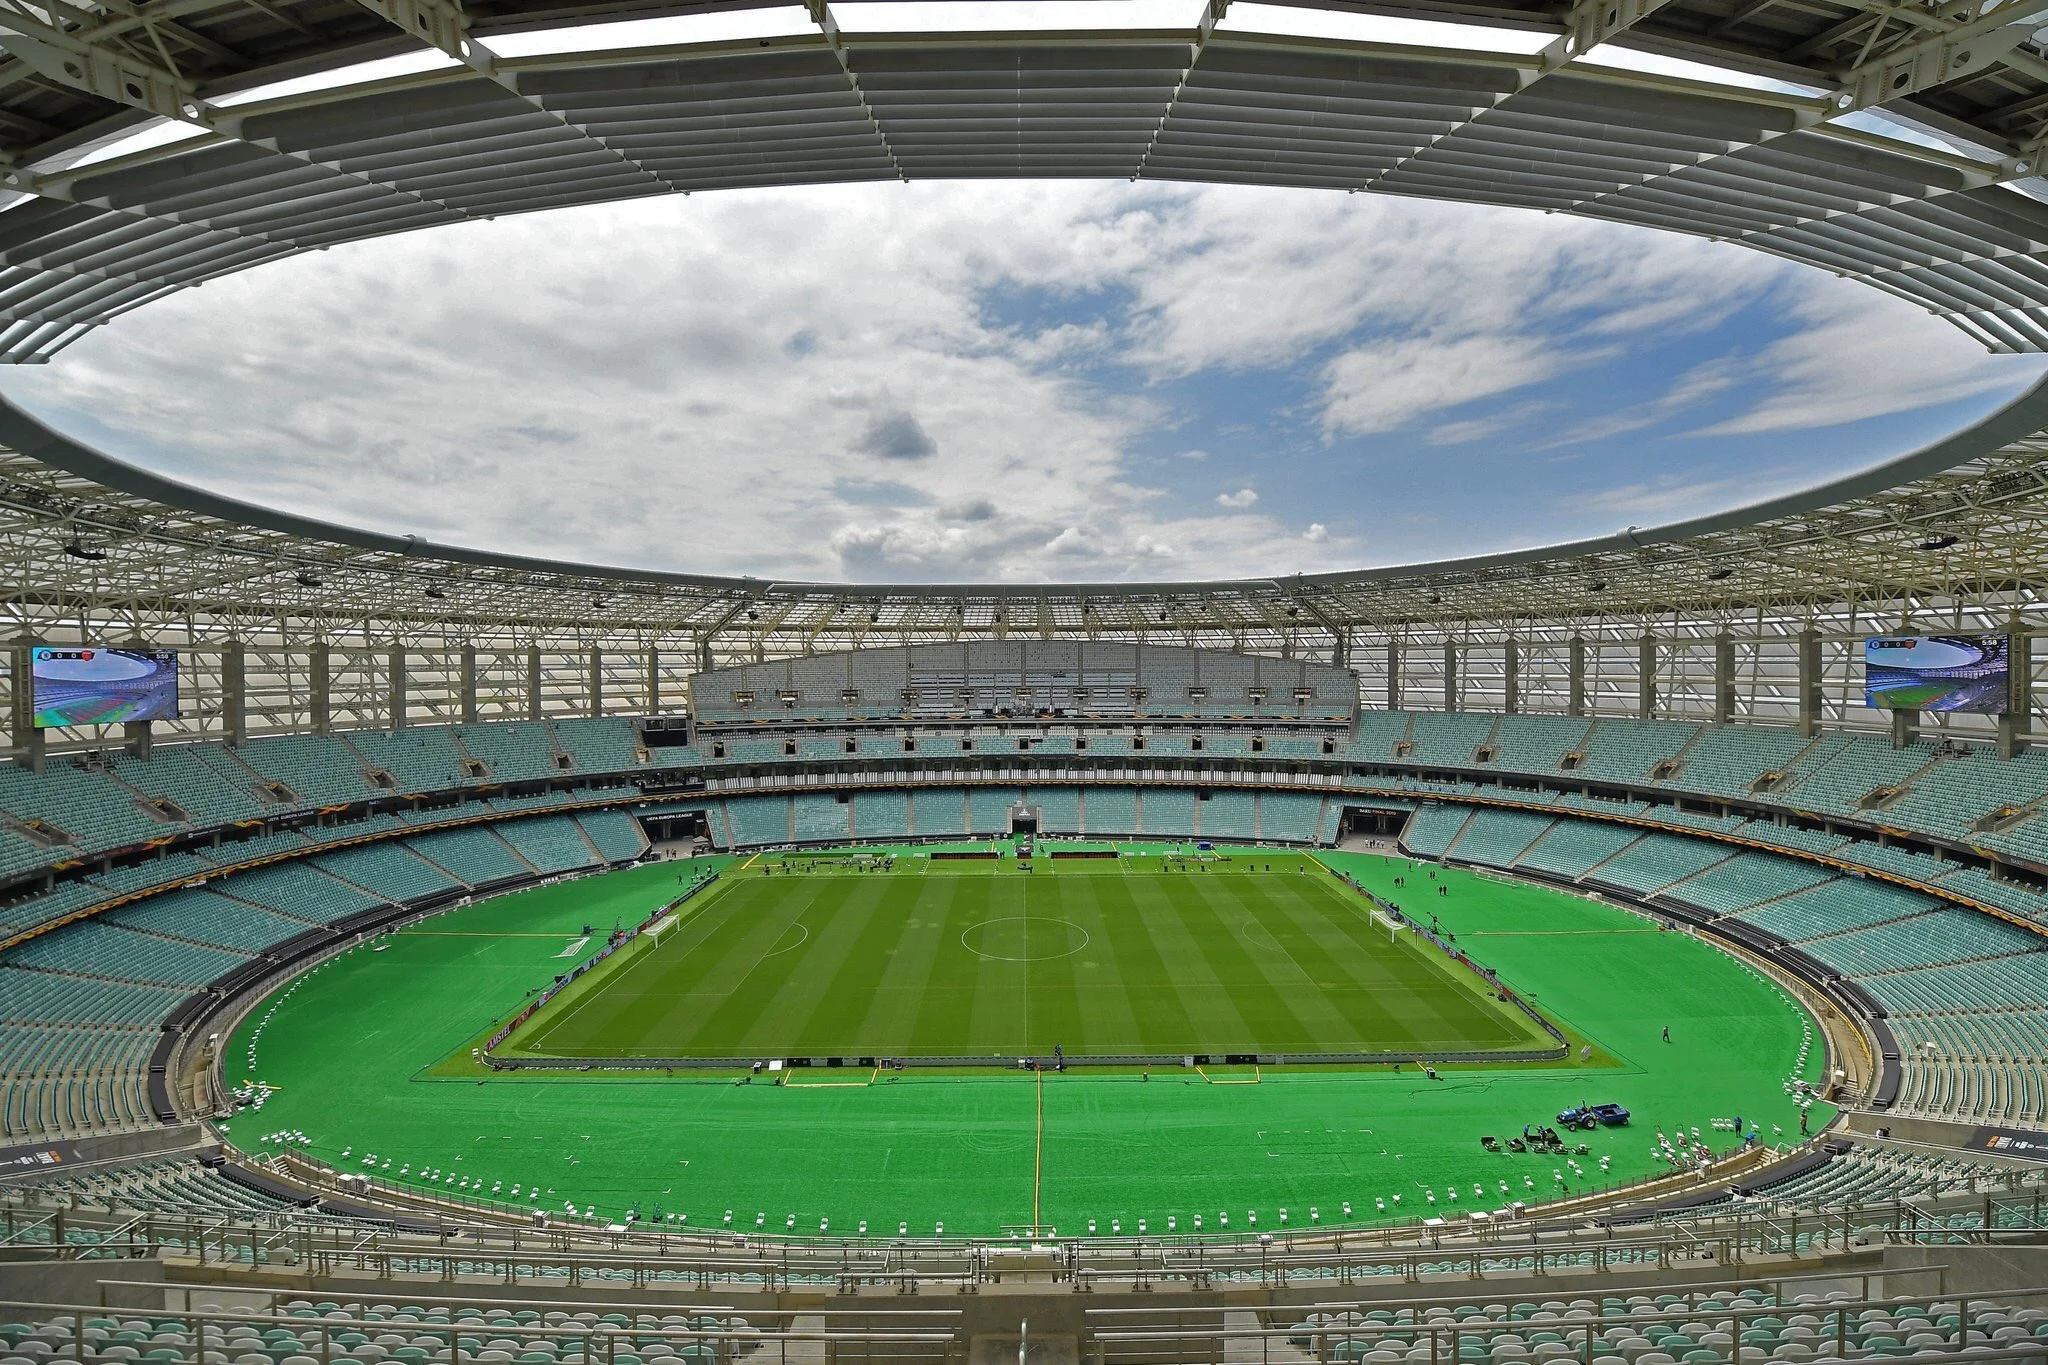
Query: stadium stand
[[516, 751], [1167, 813], [419, 759], [550, 844], [475, 857], [1290, 817], [878, 815], [1434, 828], [758, 820], [938, 814], [616, 835], [1111, 811], [1497, 837]]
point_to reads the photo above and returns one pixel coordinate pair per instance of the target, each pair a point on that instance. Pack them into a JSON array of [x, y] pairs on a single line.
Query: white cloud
[[828, 383], [1390, 383], [1856, 354]]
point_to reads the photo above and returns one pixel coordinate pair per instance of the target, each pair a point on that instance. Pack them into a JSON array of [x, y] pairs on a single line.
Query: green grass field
[[370, 1054], [1262, 954]]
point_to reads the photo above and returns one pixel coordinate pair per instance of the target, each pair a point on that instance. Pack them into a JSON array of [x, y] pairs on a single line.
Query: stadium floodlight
[[305, 580], [1719, 574], [78, 549], [1939, 542], [435, 592]]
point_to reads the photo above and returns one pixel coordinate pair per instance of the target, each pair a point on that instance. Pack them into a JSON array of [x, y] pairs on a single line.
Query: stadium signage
[[2017, 1142]]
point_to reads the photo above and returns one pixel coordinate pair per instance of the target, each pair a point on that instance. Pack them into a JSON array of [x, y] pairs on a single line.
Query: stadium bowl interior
[[503, 960]]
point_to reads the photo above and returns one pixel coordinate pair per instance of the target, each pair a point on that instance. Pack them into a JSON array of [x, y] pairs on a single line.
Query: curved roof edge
[[27, 434]]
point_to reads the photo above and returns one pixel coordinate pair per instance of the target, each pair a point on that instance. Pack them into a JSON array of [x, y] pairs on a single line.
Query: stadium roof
[[159, 143], [88, 536], [149, 145]]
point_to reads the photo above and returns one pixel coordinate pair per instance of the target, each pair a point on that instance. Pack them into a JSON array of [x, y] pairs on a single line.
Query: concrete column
[[1905, 726], [398, 700], [596, 681], [653, 681], [1809, 681], [1646, 676], [1724, 678], [234, 694], [1450, 675], [1511, 677], [2018, 721], [136, 737], [28, 740], [1575, 673], [466, 685], [320, 689], [705, 655], [1340, 649], [1393, 675], [533, 683]]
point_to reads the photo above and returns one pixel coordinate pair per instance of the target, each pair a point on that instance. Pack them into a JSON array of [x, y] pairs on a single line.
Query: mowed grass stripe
[[995, 963], [1285, 1000], [1409, 1000]]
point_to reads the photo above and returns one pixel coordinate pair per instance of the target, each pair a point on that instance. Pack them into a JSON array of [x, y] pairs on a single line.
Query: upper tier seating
[[1448, 739], [518, 751], [1627, 751], [425, 759], [597, 746]]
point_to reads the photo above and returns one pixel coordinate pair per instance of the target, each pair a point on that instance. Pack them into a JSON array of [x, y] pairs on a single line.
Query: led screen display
[[1936, 673], [98, 685]]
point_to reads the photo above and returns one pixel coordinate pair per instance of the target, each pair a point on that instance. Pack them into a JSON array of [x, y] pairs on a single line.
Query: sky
[[1058, 381]]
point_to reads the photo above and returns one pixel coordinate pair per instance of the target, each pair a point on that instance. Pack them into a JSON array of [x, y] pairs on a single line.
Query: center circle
[[1023, 938]]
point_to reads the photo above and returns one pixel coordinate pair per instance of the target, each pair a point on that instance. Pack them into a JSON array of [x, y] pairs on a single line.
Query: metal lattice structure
[[149, 145], [1754, 615], [155, 144]]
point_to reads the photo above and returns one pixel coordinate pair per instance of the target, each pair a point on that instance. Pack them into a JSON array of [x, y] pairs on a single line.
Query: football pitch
[[1257, 957]]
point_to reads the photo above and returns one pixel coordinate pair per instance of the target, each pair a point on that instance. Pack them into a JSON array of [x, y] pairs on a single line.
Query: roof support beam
[[1588, 24]]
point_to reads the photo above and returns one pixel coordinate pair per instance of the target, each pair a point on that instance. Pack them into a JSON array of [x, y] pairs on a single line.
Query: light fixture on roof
[[78, 549], [305, 580], [1436, 599], [1597, 585], [753, 615], [1939, 542], [1717, 575], [599, 603], [435, 592]]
